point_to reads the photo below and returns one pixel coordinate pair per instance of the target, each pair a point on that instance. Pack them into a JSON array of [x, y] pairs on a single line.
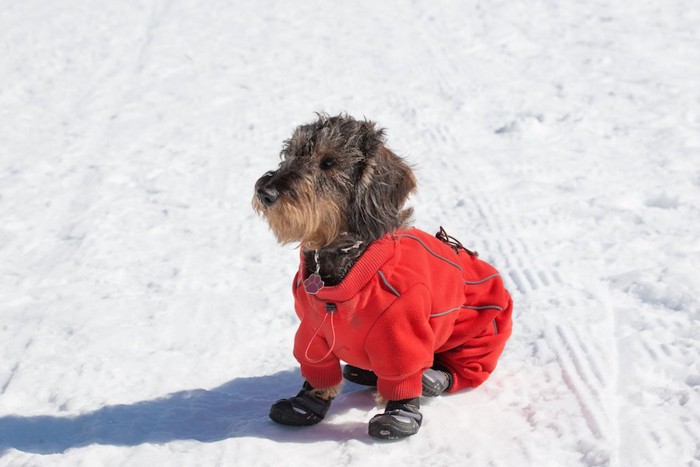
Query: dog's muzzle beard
[[295, 213]]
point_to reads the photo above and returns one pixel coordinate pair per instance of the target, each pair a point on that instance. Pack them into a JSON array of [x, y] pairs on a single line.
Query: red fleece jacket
[[408, 297]]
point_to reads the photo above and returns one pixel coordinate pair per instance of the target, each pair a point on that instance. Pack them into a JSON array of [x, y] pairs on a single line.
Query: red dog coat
[[411, 301]]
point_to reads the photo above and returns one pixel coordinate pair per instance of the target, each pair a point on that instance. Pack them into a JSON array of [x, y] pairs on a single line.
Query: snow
[[145, 310]]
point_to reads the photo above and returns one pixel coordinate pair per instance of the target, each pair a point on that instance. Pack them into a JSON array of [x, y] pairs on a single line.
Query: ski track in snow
[[145, 311]]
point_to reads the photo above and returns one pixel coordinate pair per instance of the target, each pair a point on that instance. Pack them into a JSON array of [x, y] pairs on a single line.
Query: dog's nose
[[268, 195]]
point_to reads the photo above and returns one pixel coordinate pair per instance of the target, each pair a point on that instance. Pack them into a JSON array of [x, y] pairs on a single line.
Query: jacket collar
[[366, 267]]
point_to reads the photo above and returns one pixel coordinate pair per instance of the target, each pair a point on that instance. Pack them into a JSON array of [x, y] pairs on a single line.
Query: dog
[[411, 313]]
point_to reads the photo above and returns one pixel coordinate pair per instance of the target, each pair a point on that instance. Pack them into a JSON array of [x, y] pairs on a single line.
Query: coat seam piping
[[432, 252], [386, 282], [481, 281]]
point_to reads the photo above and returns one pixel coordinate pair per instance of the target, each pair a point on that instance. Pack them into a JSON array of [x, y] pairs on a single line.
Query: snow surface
[[146, 313]]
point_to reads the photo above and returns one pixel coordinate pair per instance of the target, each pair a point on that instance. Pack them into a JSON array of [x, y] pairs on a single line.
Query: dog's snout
[[268, 195], [266, 191]]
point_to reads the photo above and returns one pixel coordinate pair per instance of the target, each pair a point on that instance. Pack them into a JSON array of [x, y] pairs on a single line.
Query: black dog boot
[[359, 376], [435, 382], [304, 409], [399, 420]]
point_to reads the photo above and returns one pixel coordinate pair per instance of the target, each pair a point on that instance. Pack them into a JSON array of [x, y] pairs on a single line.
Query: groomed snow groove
[[146, 312]]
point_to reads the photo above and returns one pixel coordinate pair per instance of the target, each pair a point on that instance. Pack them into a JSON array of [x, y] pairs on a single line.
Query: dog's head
[[336, 176]]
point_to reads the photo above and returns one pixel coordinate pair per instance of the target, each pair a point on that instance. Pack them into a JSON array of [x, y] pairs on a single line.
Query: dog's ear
[[371, 138], [399, 181], [384, 184]]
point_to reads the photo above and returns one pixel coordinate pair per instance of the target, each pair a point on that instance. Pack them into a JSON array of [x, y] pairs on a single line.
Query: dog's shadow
[[238, 408]]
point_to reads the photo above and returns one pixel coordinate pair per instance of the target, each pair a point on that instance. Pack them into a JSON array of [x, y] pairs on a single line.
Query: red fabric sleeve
[[400, 345], [321, 369]]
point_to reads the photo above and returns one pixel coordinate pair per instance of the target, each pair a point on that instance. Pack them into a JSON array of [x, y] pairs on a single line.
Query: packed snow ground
[[146, 313]]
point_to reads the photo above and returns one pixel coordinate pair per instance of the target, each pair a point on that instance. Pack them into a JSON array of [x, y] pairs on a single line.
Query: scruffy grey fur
[[337, 189]]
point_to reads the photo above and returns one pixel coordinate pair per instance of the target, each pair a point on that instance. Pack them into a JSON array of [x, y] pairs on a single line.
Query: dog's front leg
[[307, 408], [400, 419]]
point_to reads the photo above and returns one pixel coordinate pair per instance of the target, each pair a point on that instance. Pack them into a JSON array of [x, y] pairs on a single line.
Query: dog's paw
[[290, 412], [399, 420], [307, 408]]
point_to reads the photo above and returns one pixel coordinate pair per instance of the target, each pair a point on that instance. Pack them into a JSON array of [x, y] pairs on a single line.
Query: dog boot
[[304, 409], [435, 382], [359, 376], [399, 420]]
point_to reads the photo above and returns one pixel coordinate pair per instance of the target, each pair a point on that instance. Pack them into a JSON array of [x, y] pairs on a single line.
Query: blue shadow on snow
[[238, 408]]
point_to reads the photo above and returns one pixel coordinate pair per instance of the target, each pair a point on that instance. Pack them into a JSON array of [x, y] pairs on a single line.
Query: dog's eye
[[326, 163]]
